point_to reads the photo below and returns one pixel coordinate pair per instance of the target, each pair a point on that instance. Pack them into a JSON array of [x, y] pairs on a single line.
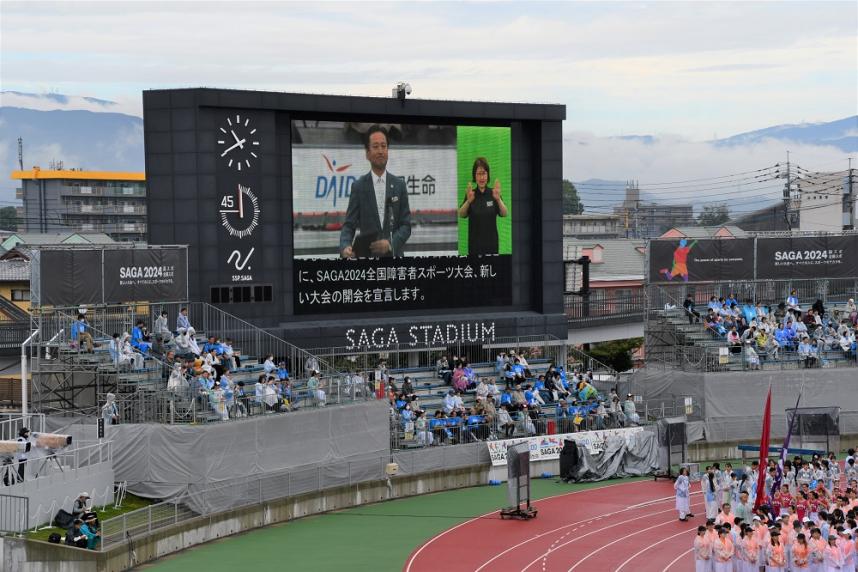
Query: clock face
[[239, 212], [238, 142]]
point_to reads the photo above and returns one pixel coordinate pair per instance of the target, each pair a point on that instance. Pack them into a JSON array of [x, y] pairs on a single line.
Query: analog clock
[[238, 142], [239, 213]]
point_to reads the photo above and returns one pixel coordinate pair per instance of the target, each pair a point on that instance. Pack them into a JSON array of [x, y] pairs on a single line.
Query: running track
[[631, 527]]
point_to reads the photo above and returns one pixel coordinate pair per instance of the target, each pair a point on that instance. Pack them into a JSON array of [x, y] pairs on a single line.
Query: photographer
[[23, 437]]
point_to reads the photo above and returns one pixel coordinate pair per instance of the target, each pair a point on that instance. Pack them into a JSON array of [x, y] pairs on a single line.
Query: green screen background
[[493, 143]]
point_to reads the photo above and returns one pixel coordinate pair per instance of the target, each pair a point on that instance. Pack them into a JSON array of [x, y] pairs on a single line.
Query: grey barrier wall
[[732, 403], [161, 461]]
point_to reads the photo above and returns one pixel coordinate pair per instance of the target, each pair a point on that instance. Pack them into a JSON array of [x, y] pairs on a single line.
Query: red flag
[[764, 451]]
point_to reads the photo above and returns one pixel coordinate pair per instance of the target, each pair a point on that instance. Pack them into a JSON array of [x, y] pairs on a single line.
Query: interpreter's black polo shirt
[[482, 223]]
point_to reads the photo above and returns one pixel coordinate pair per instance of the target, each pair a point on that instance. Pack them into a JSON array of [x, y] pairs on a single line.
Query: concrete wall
[[37, 556]]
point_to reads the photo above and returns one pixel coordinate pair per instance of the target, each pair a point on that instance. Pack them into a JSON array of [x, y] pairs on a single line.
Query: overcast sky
[[692, 69]]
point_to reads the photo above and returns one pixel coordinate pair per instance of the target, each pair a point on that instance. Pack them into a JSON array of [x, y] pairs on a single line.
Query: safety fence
[[213, 498], [12, 423], [194, 405], [12, 335], [405, 356], [596, 311], [42, 463], [14, 514], [475, 428]]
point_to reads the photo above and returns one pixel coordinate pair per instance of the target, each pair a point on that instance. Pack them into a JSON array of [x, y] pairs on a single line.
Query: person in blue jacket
[[140, 339]]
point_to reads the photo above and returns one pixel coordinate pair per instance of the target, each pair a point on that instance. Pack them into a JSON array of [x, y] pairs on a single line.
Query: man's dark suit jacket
[[362, 214]]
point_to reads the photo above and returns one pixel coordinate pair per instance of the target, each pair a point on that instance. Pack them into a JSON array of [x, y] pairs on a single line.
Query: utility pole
[[851, 209], [20, 153], [788, 196]]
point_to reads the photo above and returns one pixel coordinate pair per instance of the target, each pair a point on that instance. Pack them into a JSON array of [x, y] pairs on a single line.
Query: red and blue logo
[[336, 184]]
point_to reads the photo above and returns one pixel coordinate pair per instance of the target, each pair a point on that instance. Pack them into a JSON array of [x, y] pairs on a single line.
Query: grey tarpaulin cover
[[160, 461], [634, 455]]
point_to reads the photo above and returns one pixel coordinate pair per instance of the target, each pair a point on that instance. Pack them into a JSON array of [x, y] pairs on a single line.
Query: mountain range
[[88, 133]]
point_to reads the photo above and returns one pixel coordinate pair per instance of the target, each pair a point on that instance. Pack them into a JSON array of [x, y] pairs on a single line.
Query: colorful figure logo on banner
[[680, 261]]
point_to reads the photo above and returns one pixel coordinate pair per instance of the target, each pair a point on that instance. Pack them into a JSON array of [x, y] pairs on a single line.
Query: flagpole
[[785, 449], [764, 450]]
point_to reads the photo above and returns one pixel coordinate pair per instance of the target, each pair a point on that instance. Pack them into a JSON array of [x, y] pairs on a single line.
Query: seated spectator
[[80, 333], [421, 428], [460, 382], [818, 308], [314, 385], [734, 342], [752, 359], [268, 365], [629, 410], [161, 328], [75, 536], [470, 376], [282, 373], [182, 321], [852, 312], [233, 358], [506, 397], [693, 315], [807, 352], [90, 530], [442, 369], [114, 348], [505, 422], [192, 342], [600, 415], [140, 338], [80, 505], [482, 390], [792, 301], [128, 355], [407, 387], [519, 402], [519, 371], [217, 400], [532, 397]]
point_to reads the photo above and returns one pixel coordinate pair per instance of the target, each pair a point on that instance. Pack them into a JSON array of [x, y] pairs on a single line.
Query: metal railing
[[12, 423], [12, 335], [594, 312], [213, 498], [68, 459], [249, 339], [14, 514], [405, 356], [458, 431]]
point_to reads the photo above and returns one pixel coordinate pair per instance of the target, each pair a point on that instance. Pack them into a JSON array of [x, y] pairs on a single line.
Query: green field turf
[[373, 538]]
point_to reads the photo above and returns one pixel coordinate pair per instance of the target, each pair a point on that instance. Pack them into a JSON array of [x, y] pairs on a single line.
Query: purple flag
[[776, 485]]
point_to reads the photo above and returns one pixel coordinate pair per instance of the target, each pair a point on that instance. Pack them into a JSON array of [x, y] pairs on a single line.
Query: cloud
[[618, 67], [661, 165], [58, 101]]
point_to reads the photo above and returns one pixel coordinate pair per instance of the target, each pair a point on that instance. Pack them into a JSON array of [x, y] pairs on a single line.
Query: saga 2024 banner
[[807, 257], [706, 260]]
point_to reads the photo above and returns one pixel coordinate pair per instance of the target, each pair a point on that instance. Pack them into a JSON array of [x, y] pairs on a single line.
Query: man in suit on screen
[[378, 208]]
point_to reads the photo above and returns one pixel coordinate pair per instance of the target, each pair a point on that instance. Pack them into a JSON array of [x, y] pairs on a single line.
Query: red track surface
[[630, 527]]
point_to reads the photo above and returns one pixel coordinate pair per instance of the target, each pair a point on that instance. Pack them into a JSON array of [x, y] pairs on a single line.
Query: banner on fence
[[706, 260], [807, 257], [547, 447]]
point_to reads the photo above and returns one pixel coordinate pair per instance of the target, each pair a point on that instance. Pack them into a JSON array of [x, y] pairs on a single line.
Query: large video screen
[[400, 216]]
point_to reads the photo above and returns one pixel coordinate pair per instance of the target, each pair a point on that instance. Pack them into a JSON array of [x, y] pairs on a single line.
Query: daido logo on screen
[[335, 184]]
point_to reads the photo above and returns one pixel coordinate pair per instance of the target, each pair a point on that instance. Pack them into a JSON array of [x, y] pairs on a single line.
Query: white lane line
[[650, 547], [677, 559], [439, 535], [614, 542], [592, 518], [577, 538]]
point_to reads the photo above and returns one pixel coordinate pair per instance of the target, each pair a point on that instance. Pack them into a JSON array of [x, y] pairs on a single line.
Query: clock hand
[[237, 144]]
